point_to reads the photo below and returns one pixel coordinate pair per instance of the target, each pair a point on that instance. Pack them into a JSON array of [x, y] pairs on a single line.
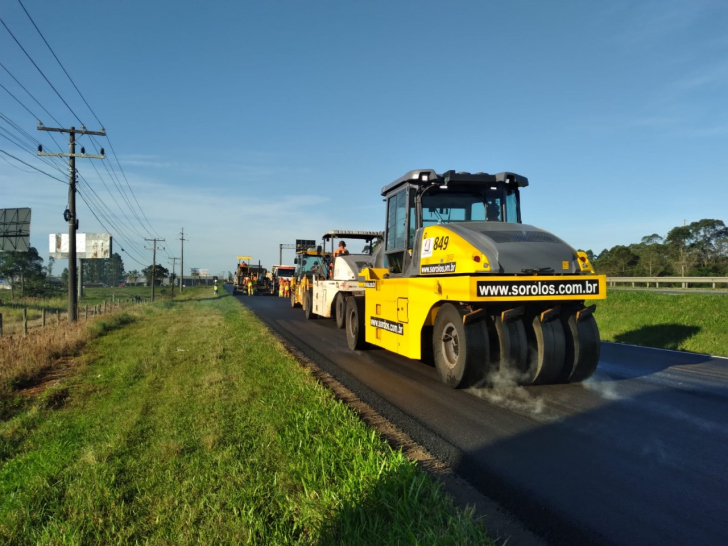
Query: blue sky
[[254, 123]]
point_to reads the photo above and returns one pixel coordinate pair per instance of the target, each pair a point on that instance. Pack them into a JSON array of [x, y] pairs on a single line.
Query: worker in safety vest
[[287, 289], [250, 287], [281, 283]]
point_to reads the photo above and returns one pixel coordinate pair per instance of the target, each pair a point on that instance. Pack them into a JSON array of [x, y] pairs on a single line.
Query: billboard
[[15, 230], [89, 246]]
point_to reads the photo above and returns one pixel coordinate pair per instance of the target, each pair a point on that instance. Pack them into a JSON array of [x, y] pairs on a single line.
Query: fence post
[[58, 318], [25, 321], [43, 316], [86, 313], [104, 306], [1, 325]]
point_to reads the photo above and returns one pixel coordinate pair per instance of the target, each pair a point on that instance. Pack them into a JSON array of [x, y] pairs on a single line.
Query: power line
[[31, 166], [97, 119], [39, 70], [112, 174], [29, 94], [61, 64]]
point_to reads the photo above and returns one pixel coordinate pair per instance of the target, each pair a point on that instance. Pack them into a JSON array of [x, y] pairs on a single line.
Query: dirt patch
[[501, 526], [48, 378]]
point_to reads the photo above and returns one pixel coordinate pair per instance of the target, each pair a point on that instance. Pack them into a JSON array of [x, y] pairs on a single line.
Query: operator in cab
[[341, 251]]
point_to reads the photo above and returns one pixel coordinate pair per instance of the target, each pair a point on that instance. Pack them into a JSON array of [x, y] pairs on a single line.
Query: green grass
[[686, 322], [190, 425], [12, 309]]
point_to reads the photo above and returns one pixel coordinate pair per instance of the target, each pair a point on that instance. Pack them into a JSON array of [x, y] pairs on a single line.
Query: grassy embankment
[[187, 422], [686, 322], [12, 309]]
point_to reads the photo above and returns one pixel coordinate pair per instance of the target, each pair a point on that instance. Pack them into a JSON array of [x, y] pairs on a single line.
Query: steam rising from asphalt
[[603, 384], [502, 389]]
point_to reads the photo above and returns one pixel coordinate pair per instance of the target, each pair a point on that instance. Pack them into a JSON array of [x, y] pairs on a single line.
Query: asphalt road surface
[[636, 455]]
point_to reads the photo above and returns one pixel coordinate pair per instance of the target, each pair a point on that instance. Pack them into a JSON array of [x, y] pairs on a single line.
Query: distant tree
[[707, 241], [131, 276], [23, 270], [49, 267], [619, 261], [652, 239], [683, 255], [64, 277], [114, 270], [160, 273], [652, 258]]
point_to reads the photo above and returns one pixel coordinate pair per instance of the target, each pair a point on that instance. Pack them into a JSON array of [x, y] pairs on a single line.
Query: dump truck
[[324, 293], [461, 281]]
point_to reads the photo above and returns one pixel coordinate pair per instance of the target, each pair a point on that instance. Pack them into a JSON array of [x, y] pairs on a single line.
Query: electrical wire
[[97, 120], [31, 166], [39, 70], [113, 176]]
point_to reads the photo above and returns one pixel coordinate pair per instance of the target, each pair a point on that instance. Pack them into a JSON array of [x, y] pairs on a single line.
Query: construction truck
[[279, 273], [327, 290], [247, 270], [461, 281]]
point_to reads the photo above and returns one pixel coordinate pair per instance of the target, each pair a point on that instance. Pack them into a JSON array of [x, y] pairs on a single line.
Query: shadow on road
[[622, 473], [662, 336]]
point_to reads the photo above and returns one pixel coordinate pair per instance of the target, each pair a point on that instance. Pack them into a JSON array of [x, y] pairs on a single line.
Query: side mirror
[[295, 260]]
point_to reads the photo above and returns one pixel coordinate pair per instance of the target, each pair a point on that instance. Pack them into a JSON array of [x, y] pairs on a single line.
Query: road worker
[[287, 289], [250, 287], [341, 251]]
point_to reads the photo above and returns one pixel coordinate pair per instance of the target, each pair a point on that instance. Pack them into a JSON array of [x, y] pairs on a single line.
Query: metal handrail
[[684, 281]]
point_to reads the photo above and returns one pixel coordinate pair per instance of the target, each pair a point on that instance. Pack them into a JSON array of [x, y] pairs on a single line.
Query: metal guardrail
[[684, 281]]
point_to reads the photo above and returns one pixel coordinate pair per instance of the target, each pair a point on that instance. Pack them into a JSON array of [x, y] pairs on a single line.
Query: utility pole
[[182, 262], [174, 260], [154, 260], [70, 214]]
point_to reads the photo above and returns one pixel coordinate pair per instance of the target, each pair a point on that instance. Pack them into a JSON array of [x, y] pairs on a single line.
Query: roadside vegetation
[[699, 249], [187, 422], [685, 322]]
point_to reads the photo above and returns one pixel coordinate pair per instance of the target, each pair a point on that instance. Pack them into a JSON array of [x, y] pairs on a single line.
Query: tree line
[[27, 276], [699, 249]]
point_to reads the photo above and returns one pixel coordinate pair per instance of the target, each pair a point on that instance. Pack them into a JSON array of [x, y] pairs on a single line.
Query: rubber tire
[[355, 328], [340, 310], [583, 347], [308, 305], [462, 360], [546, 350], [512, 349], [293, 299]]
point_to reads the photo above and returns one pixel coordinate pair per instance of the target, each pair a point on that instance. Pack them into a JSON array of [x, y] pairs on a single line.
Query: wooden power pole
[[154, 261], [70, 214], [182, 262]]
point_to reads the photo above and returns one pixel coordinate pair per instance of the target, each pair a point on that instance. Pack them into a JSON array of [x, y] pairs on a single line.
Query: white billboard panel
[[89, 246]]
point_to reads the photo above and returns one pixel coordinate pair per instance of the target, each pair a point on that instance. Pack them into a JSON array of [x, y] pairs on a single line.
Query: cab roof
[[342, 233], [428, 177]]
